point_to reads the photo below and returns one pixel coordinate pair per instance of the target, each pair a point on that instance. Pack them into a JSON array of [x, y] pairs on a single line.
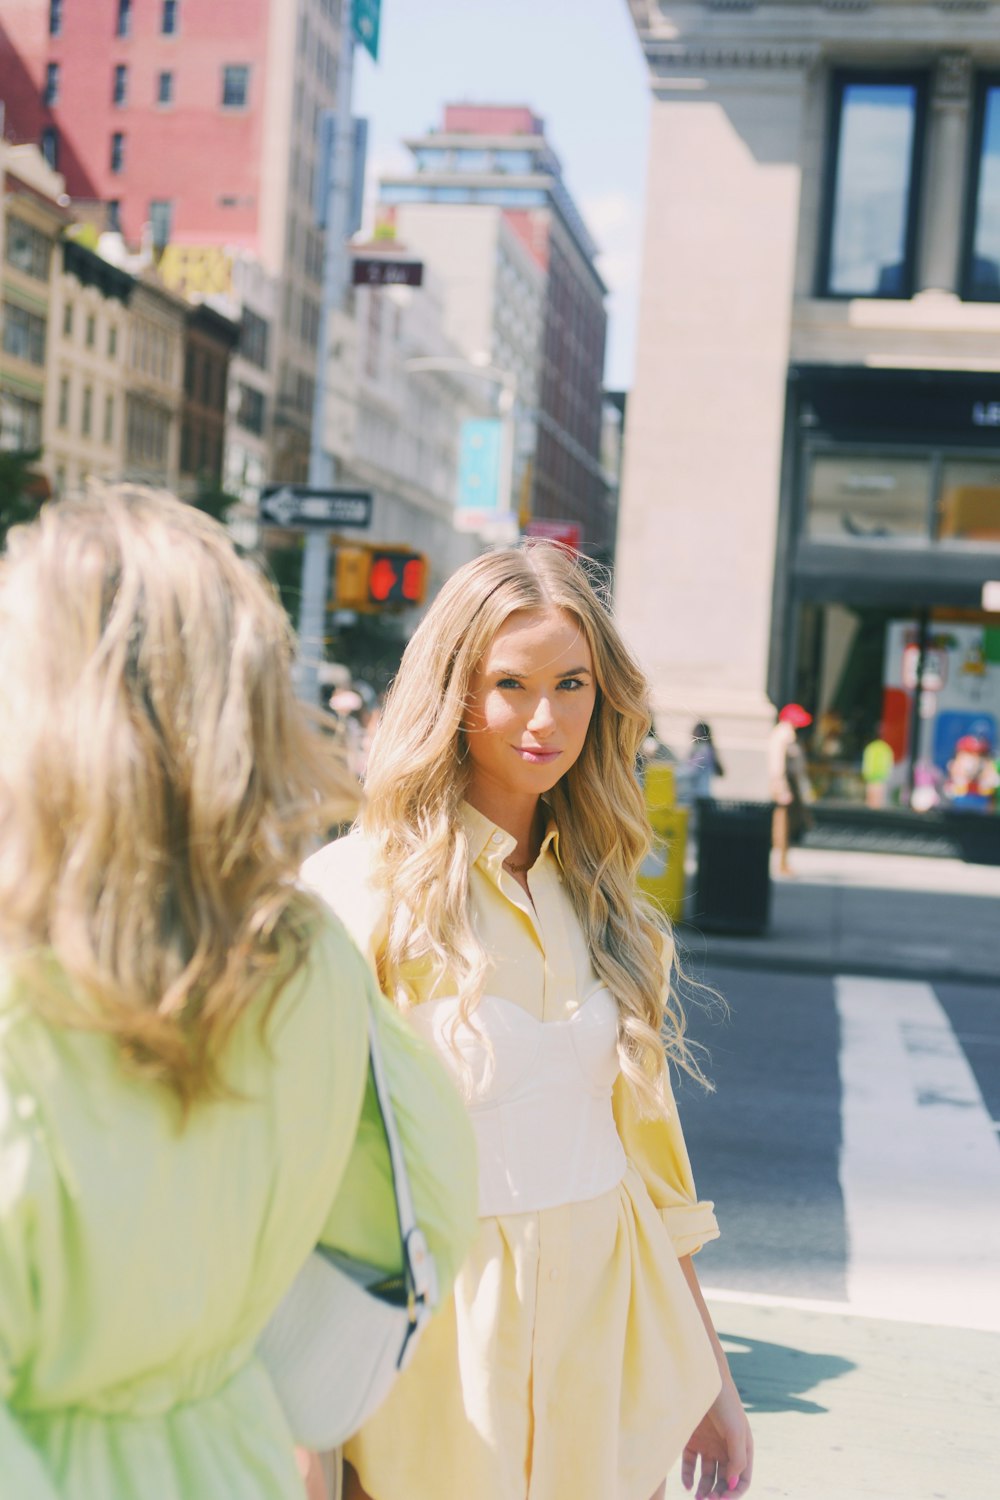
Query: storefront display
[[890, 533]]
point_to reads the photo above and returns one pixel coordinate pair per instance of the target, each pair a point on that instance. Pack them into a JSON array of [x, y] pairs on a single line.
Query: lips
[[536, 756]]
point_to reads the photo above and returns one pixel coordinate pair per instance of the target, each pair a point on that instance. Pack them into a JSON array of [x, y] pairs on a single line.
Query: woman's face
[[530, 703]]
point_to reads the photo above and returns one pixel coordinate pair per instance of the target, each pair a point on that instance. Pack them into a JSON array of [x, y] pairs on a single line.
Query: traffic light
[[351, 573], [372, 578], [396, 577]]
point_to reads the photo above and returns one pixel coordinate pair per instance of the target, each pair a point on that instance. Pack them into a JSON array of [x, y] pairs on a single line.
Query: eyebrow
[[569, 672]]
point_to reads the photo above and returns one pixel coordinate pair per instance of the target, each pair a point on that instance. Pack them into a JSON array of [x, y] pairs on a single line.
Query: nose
[[542, 720]]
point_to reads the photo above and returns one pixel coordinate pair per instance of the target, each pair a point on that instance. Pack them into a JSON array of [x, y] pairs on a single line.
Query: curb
[[706, 948]]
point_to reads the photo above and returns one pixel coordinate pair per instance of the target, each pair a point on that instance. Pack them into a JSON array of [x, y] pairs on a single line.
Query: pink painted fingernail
[[734, 1480]]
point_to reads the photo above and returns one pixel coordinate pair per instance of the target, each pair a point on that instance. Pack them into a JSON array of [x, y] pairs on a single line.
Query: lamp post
[[506, 404], [322, 465]]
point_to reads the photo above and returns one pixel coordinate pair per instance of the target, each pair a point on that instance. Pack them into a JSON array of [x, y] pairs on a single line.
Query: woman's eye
[[508, 682], [571, 684]]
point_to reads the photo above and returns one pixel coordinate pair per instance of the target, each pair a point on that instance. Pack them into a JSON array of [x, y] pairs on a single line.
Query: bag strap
[[418, 1263]]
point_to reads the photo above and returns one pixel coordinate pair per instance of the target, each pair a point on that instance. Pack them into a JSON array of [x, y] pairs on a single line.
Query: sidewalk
[[853, 1408], [880, 914]]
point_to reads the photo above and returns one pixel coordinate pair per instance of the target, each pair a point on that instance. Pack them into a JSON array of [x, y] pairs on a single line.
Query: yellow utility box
[[661, 875]]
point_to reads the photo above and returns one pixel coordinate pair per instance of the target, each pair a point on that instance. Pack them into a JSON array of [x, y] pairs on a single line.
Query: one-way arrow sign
[[297, 505]]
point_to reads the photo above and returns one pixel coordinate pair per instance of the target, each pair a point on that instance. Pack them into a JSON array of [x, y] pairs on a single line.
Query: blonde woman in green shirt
[[183, 1031]]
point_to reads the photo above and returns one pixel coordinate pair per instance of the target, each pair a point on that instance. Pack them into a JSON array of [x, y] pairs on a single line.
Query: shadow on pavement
[[771, 1377]]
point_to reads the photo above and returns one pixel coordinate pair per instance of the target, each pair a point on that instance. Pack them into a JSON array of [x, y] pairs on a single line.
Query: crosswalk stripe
[[919, 1162]]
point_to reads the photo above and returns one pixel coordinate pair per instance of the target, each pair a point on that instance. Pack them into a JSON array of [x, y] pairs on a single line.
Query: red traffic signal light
[[397, 577]]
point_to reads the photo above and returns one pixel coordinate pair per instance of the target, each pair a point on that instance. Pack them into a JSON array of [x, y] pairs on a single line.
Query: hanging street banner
[[365, 24], [480, 452], [298, 506], [568, 534]]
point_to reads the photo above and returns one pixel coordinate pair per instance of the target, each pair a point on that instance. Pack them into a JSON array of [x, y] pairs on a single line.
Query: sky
[[577, 63]]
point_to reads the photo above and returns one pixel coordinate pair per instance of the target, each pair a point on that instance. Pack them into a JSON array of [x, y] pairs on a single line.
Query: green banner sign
[[365, 24]]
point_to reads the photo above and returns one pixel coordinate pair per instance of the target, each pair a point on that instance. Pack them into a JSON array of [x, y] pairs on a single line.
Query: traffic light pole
[[322, 465]]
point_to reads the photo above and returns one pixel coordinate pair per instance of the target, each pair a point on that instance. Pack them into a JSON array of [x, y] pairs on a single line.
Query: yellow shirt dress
[[571, 1362]]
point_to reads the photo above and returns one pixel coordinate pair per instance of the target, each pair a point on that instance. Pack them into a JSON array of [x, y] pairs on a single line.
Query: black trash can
[[733, 888]]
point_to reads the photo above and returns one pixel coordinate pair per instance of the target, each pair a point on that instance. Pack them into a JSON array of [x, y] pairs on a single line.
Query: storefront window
[[869, 248], [907, 706], [969, 501], [867, 498]]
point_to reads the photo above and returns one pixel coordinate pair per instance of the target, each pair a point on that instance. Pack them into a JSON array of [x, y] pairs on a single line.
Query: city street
[[852, 1149]]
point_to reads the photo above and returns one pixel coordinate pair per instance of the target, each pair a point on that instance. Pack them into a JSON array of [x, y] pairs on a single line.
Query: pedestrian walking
[[703, 761], [492, 883], [790, 788], [184, 1109]]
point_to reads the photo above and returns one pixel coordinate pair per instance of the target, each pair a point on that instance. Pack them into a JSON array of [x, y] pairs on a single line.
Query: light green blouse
[[139, 1259]]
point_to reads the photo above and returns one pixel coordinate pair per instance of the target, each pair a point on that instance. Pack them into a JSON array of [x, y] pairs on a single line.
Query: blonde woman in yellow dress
[[183, 1031], [492, 883]]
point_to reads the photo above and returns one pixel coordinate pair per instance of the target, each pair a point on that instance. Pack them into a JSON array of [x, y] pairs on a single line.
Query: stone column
[[945, 174], [698, 518]]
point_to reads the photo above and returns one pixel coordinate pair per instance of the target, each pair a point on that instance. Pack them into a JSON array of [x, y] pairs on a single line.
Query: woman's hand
[[723, 1442]]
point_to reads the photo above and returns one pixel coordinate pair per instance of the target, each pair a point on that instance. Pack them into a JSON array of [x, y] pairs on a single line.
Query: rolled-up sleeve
[[656, 1148]]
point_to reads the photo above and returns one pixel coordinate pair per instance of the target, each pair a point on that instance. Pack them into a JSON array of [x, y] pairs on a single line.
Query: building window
[[55, 17], [68, 320], [168, 22], [28, 250], [165, 88], [235, 86], [124, 24], [113, 341], [113, 215], [161, 213], [252, 409], [20, 423], [109, 418], [50, 94], [23, 334], [872, 190], [981, 270], [867, 497], [49, 143], [968, 503], [117, 151], [63, 418], [88, 403], [119, 85], [254, 333]]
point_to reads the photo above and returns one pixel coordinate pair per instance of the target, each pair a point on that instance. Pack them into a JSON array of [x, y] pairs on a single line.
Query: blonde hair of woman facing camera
[[492, 882], [183, 1031]]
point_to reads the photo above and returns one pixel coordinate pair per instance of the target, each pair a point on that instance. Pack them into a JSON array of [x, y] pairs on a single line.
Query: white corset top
[[538, 1095]]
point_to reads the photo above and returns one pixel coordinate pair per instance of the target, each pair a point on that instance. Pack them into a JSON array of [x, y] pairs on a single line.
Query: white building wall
[[699, 507], [734, 198]]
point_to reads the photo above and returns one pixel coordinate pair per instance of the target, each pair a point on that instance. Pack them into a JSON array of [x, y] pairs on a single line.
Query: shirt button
[[553, 1275], [497, 838]]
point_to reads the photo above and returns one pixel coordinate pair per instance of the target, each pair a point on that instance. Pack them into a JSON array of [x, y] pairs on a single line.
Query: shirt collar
[[486, 839]]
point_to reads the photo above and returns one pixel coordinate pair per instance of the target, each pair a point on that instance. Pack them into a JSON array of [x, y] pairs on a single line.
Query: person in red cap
[[790, 789]]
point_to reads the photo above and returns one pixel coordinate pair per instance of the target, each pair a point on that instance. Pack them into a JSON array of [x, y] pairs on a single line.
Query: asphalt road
[[853, 1152]]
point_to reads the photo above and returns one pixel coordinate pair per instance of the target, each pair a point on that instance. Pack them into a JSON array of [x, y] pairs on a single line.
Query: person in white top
[[492, 884], [788, 780]]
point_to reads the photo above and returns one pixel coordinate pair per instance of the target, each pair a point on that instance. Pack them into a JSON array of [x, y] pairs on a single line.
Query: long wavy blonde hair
[[159, 782], [418, 774]]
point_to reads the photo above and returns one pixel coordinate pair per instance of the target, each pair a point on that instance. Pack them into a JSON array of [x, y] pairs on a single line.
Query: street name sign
[[384, 270], [298, 505]]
